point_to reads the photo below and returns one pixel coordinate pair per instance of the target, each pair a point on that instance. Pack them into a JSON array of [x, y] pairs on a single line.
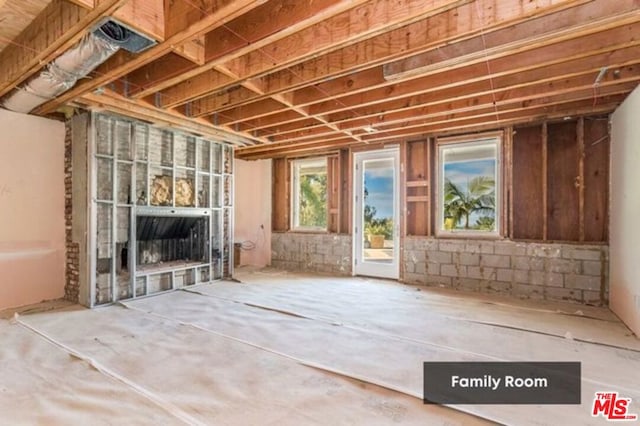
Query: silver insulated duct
[[63, 72]]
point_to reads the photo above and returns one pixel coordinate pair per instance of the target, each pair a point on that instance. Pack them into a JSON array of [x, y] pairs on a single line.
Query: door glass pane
[[378, 211]]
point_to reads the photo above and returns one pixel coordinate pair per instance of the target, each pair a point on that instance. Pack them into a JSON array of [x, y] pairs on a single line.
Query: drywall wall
[[32, 239], [252, 206], [625, 205]]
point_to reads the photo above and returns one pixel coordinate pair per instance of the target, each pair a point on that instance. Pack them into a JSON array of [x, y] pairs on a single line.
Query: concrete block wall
[[327, 253], [548, 271]]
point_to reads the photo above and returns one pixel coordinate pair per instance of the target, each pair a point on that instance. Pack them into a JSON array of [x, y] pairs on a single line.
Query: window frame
[[296, 165], [470, 140]]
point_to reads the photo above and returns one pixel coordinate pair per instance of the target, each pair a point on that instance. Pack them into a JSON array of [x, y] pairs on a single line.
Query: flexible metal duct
[[64, 71]]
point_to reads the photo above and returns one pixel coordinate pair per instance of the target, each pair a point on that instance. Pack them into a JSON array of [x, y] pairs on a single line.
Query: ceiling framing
[[279, 77]]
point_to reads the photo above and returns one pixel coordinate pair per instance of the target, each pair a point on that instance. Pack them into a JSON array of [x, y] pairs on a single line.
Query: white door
[[376, 213]]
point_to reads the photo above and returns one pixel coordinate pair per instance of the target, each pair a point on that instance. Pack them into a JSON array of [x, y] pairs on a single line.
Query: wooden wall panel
[[333, 199], [596, 179], [280, 195], [345, 191], [527, 183], [563, 182], [417, 188]]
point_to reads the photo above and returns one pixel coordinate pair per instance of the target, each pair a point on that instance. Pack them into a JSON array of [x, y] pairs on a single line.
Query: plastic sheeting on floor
[[201, 378], [295, 349]]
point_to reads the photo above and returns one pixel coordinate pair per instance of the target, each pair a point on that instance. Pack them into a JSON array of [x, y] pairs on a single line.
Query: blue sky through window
[[379, 183]]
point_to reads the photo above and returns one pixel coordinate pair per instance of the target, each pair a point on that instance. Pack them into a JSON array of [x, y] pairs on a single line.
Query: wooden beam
[[192, 50], [170, 64], [600, 42], [87, 4], [589, 18], [376, 50], [458, 124], [265, 24], [113, 102], [504, 90], [59, 26], [430, 33], [145, 16], [361, 23], [526, 90], [222, 11], [371, 87], [332, 34]]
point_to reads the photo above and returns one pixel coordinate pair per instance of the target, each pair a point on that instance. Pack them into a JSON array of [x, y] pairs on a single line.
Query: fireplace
[[166, 241], [152, 208]]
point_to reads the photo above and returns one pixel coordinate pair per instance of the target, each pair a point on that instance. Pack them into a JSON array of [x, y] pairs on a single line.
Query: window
[[468, 187], [309, 194]]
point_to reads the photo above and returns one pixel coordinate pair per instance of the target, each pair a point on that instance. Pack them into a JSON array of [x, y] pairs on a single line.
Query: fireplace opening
[[171, 242]]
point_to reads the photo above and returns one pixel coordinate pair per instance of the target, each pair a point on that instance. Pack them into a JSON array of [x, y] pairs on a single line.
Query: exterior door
[[376, 213]]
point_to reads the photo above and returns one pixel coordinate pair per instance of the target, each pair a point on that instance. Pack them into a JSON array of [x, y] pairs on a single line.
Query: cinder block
[[433, 269], [440, 281], [438, 257], [415, 278], [418, 243], [451, 246], [472, 247], [420, 267], [467, 258], [498, 287], [481, 272], [504, 274], [414, 255], [584, 282], [409, 267], [544, 250], [495, 260], [592, 267], [593, 297], [581, 253], [449, 270], [564, 266], [487, 247], [557, 293], [528, 291], [470, 284], [509, 248]]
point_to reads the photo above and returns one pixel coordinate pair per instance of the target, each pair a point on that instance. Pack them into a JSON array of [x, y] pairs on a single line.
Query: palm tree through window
[[469, 187]]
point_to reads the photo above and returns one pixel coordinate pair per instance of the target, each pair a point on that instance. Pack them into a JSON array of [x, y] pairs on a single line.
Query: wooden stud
[[545, 178], [580, 178]]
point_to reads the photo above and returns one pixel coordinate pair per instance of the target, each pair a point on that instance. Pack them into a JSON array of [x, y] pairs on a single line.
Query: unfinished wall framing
[[155, 210], [547, 169]]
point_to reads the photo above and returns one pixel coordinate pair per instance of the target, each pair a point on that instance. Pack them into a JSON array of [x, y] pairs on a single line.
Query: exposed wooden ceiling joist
[[279, 76]]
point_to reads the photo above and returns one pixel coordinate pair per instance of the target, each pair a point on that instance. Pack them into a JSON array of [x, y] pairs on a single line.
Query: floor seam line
[[155, 399]]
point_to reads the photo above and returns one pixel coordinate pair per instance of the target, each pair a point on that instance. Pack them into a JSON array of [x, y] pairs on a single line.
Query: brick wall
[[577, 273], [72, 260], [328, 253]]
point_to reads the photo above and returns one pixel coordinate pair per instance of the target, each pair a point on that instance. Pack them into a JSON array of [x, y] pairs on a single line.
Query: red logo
[[612, 407]]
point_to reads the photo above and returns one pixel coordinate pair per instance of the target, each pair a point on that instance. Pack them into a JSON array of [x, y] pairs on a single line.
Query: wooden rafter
[[286, 76]]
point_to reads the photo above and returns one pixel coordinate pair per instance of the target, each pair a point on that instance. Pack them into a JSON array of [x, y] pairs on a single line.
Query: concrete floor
[[284, 348]]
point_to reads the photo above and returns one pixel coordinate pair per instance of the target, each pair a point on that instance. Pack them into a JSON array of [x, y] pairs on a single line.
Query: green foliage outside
[[479, 198], [376, 226], [313, 200]]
